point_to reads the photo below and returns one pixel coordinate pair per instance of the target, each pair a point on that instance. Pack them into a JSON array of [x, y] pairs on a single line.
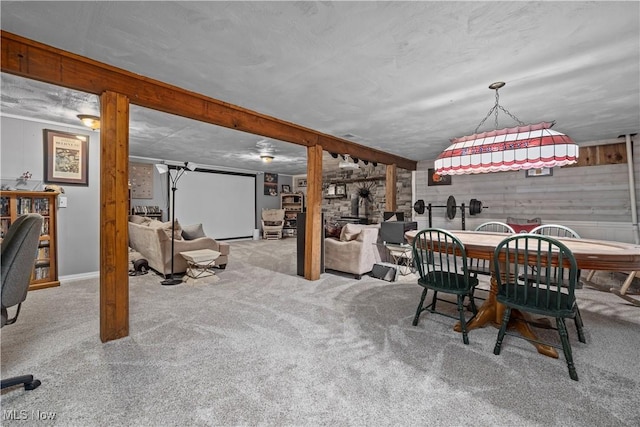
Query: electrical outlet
[[62, 202]]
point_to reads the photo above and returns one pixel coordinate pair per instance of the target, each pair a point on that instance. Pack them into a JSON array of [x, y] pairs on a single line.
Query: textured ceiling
[[403, 77]]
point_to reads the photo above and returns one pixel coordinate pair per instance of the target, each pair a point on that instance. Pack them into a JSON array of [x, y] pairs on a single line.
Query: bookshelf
[[292, 203], [150, 211], [16, 203]]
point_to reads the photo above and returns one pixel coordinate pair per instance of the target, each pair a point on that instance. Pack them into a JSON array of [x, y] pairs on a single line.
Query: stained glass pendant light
[[522, 147]]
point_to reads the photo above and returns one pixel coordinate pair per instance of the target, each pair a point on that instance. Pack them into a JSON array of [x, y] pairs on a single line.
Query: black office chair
[[19, 251], [525, 284], [441, 262]]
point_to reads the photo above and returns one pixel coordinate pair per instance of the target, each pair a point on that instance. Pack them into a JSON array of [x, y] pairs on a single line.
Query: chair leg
[[472, 302], [433, 301], [463, 323], [566, 347], [503, 330], [417, 317], [579, 326], [26, 380]]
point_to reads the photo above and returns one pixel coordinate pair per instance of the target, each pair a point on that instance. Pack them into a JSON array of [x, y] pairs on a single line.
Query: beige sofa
[[355, 252], [153, 240]]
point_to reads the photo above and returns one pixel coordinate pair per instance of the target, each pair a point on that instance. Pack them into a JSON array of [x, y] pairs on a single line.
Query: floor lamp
[[174, 177]]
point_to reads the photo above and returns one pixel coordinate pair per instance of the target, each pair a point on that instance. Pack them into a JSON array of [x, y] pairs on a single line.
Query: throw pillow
[[137, 219], [522, 225], [194, 231], [349, 232], [333, 230], [166, 227]]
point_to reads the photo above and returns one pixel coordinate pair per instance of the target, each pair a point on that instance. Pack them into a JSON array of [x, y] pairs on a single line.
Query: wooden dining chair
[[557, 230], [441, 262], [483, 266], [529, 256]]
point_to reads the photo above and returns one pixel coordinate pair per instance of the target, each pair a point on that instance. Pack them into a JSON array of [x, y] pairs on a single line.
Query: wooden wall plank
[[578, 195], [114, 195], [391, 202]]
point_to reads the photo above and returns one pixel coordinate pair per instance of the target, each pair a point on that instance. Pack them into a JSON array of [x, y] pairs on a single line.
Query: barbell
[[474, 206]]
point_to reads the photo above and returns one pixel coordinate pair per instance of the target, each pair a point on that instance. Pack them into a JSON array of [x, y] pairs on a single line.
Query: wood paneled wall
[[594, 200]]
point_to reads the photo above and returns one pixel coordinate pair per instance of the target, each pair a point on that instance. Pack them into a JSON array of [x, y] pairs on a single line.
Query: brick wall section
[[334, 209]]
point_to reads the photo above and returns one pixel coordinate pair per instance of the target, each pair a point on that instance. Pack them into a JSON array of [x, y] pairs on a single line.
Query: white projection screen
[[225, 203]]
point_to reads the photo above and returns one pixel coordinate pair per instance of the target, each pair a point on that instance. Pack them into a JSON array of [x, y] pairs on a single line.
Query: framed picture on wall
[[66, 158], [270, 184], [286, 188], [435, 179], [529, 173], [302, 182]]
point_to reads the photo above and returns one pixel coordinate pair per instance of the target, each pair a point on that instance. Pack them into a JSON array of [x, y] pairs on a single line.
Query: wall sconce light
[[89, 121], [355, 160], [366, 162]]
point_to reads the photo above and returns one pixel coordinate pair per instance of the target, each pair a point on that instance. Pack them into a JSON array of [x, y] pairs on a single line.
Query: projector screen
[[224, 202]]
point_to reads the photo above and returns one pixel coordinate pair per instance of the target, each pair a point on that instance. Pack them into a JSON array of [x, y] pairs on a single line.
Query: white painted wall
[[22, 149]]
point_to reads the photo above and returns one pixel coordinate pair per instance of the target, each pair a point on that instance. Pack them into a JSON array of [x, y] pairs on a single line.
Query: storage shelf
[[292, 203], [16, 203]]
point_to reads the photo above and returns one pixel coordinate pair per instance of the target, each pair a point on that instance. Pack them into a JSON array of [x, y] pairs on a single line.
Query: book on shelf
[[41, 273], [4, 206], [146, 210], [41, 206], [24, 205], [4, 227]]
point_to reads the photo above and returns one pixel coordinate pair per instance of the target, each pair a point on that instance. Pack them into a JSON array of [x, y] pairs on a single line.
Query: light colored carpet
[[258, 347]]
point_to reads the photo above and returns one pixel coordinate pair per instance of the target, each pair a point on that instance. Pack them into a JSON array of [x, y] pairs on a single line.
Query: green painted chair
[[536, 291], [441, 262], [556, 230]]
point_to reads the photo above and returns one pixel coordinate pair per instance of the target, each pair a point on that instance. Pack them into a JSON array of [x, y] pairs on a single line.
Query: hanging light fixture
[[522, 147], [89, 121], [266, 157]]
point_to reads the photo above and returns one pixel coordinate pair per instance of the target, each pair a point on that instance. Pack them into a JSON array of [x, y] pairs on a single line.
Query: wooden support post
[[114, 235], [313, 226], [391, 203]]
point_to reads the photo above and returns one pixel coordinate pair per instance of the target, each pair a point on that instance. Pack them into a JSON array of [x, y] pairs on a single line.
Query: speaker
[[385, 271]]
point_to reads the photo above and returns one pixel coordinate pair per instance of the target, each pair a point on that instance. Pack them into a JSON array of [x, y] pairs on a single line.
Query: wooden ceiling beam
[[37, 61]]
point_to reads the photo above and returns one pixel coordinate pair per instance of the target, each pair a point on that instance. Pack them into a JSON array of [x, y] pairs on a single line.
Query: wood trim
[[28, 58], [391, 203], [313, 226], [114, 230]]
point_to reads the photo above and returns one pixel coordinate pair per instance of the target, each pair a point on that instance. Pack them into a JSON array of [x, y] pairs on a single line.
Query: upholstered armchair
[[272, 223], [355, 252]]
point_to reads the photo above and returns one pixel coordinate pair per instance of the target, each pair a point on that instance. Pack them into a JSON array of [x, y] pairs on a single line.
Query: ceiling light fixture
[[522, 147], [346, 164], [89, 121], [266, 157]]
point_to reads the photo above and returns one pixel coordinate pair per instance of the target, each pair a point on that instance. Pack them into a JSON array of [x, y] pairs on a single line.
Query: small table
[[402, 256], [199, 262]]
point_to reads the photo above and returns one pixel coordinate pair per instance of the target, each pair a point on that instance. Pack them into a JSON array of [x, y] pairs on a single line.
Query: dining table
[[599, 255]]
